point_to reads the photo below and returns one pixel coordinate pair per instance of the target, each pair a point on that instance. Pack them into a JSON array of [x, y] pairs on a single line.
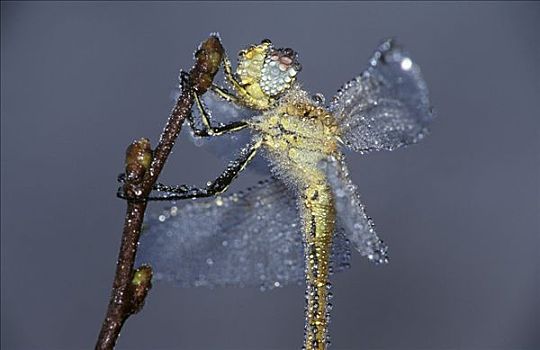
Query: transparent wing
[[351, 217], [387, 106], [223, 112], [248, 239]]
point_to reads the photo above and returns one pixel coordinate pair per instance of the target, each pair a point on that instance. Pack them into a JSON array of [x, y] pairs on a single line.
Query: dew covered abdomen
[[318, 217]]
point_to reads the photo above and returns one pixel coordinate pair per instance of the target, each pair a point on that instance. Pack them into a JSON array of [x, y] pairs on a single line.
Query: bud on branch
[[138, 159], [207, 60]]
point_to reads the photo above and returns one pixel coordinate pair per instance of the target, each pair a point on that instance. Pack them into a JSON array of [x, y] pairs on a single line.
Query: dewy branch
[[143, 167]]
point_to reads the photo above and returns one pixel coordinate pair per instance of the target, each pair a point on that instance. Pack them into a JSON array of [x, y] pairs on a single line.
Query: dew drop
[[406, 63]]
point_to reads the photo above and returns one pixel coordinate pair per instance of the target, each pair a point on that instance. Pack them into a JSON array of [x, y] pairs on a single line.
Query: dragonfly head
[[273, 70]]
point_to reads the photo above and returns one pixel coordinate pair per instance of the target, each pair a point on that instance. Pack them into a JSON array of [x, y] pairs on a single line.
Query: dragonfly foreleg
[[234, 83], [212, 188], [210, 130], [226, 95]]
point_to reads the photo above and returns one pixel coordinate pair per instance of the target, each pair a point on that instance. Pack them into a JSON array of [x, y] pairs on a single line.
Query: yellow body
[[297, 134]]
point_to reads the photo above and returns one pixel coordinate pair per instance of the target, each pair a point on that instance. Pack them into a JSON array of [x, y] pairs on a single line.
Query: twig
[[142, 170]]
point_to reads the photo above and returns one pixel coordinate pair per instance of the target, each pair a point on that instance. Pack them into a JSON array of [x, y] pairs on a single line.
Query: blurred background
[[460, 211]]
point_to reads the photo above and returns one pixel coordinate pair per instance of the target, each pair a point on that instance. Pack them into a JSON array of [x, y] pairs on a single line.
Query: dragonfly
[[299, 225]]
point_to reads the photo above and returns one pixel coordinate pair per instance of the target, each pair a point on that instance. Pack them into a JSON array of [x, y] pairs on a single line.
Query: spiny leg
[[215, 131], [210, 130], [229, 75], [202, 112], [219, 185], [223, 93]]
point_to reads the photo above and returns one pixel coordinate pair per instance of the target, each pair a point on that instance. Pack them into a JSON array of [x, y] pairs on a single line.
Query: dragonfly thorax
[[297, 135]]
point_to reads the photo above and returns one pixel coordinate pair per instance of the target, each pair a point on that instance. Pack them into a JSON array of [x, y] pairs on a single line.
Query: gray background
[[460, 210]]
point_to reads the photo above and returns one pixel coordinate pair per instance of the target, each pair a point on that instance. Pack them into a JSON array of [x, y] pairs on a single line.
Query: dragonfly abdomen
[[319, 221]]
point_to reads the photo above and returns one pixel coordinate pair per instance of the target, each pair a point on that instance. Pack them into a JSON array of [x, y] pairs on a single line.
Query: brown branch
[[142, 170]]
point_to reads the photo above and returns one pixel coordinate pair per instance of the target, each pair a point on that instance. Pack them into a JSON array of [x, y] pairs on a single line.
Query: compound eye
[[279, 71], [286, 60]]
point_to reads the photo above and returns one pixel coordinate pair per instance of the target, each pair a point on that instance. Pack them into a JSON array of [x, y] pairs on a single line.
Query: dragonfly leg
[[223, 93], [229, 75], [218, 186], [208, 129], [218, 90], [233, 81]]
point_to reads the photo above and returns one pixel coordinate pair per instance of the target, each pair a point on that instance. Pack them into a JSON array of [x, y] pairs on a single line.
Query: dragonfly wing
[[351, 216], [387, 106], [224, 112], [252, 238]]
